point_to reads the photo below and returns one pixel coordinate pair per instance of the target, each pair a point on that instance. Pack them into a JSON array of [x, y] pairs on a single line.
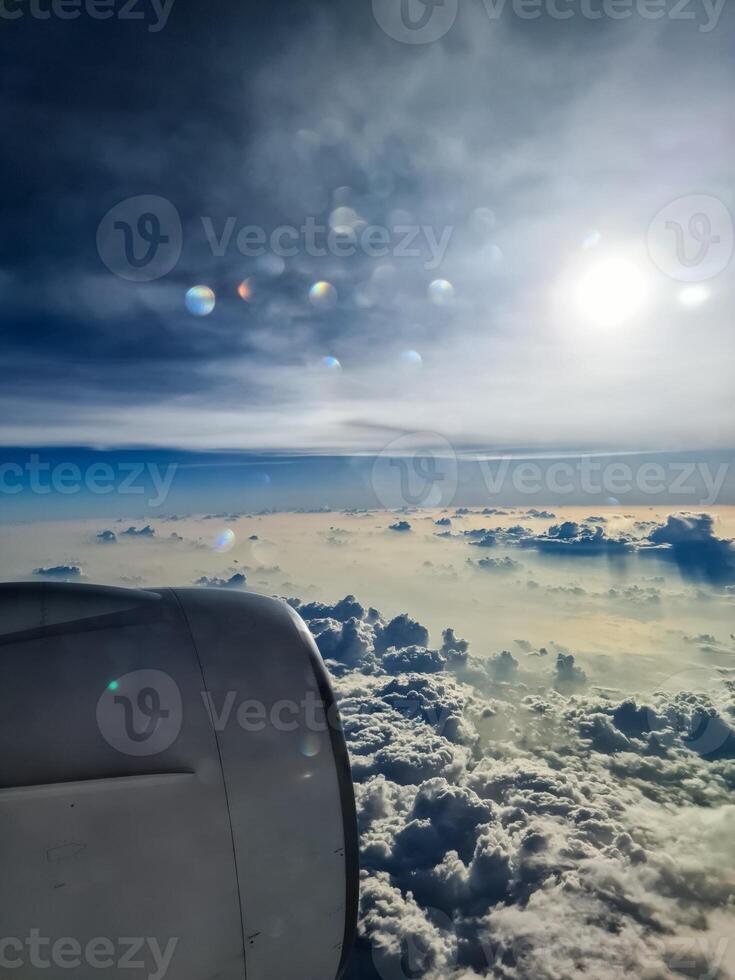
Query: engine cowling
[[173, 771]]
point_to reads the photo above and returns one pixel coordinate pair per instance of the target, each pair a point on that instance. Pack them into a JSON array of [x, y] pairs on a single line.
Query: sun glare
[[610, 292]]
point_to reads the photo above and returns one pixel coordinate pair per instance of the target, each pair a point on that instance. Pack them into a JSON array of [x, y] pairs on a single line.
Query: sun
[[610, 292]]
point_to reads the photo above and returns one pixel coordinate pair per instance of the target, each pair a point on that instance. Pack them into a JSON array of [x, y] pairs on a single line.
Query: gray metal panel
[[126, 812], [93, 842], [284, 791]]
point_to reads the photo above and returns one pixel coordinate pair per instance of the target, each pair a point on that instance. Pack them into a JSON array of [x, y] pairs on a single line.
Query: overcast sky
[[526, 160]]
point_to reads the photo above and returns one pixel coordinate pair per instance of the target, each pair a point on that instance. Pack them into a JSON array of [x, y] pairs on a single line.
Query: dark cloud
[[571, 538], [567, 672], [413, 658], [59, 571], [347, 608], [689, 540], [400, 526], [505, 564], [402, 631], [487, 541], [504, 666], [107, 537], [236, 581], [143, 532]]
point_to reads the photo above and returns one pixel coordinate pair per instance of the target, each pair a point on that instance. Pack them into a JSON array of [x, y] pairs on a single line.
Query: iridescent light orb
[[246, 290], [323, 295], [592, 240], [271, 265], [310, 746], [412, 358], [225, 541], [693, 296], [330, 363], [441, 292], [493, 254], [200, 300], [342, 220], [483, 220]]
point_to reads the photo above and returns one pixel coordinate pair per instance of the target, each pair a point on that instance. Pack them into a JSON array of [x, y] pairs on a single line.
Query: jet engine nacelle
[[175, 790]]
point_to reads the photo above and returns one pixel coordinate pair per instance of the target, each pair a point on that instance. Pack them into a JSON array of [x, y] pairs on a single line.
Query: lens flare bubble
[[694, 296], [331, 363], [200, 300], [310, 746], [246, 290], [383, 273], [399, 216], [323, 295], [382, 183], [412, 358], [441, 292], [592, 240], [341, 196], [493, 254], [343, 220], [271, 265], [225, 541], [332, 131], [483, 220]]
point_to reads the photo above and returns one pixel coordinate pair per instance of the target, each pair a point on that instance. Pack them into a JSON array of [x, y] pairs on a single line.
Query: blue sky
[[526, 160]]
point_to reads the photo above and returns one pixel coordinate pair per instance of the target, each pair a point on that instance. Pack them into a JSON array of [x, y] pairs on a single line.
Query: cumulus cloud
[[505, 564], [690, 541], [571, 538], [567, 672], [143, 532], [107, 537], [504, 666], [486, 541], [400, 526], [59, 571], [586, 837], [400, 632], [236, 581]]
